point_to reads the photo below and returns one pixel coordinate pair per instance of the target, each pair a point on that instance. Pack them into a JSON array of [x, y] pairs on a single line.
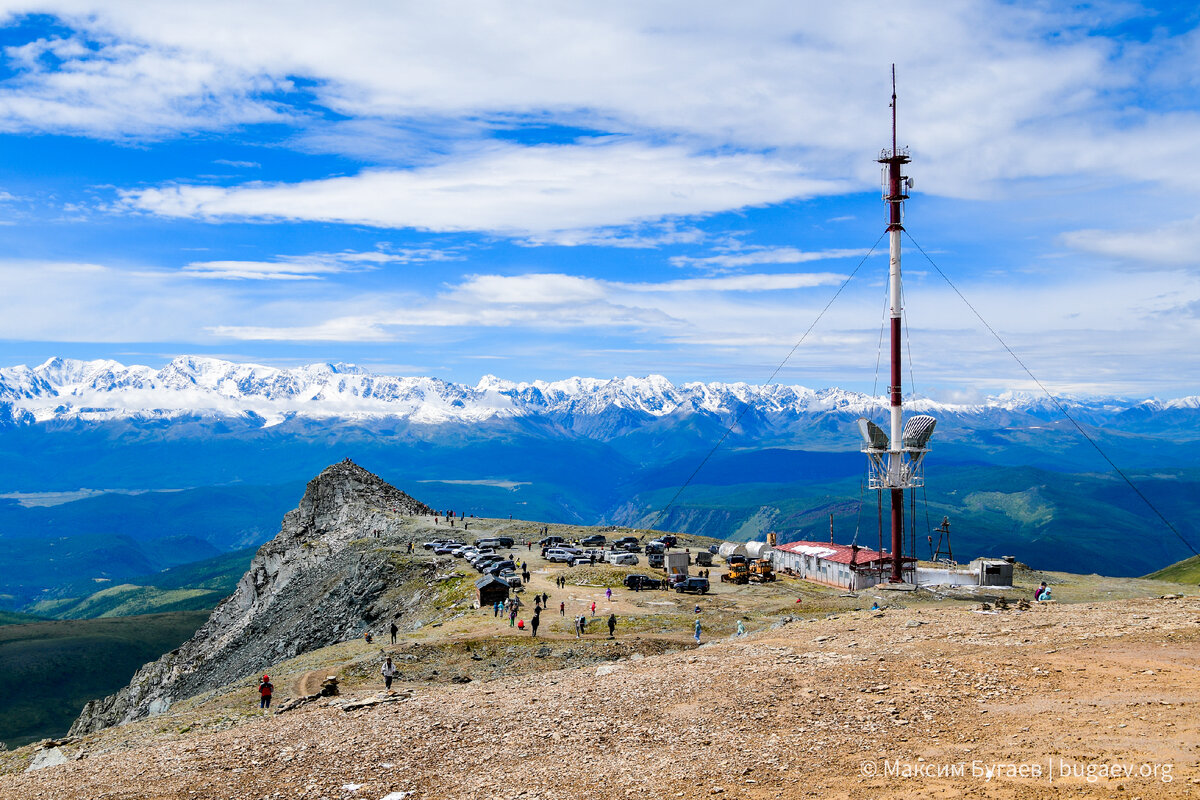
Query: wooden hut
[[490, 590]]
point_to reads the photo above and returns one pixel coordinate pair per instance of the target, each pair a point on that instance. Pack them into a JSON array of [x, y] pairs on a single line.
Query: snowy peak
[[199, 386]]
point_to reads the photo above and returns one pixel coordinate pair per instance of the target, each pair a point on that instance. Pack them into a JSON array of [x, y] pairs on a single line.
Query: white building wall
[[820, 570]]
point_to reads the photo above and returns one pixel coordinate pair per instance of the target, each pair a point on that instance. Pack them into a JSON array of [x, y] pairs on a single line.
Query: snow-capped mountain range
[[106, 390]]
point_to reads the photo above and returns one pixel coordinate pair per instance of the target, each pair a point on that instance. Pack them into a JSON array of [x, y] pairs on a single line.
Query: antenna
[[893, 109], [895, 455]]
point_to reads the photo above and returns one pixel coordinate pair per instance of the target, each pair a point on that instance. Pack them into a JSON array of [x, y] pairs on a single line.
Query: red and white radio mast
[[895, 458]]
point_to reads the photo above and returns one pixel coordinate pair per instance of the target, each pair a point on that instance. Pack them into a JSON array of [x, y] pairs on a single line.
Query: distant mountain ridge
[[106, 390]]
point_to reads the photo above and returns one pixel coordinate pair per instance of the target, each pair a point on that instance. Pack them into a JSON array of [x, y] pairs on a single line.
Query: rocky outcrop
[[318, 582]]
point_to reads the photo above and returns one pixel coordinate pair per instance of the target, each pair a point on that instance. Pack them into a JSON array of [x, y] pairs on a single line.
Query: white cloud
[[992, 91], [104, 86], [1174, 245], [764, 255], [261, 270], [82, 302], [510, 189], [315, 266], [740, 283]]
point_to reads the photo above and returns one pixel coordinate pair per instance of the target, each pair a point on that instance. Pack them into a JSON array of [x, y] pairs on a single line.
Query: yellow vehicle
[[761, 571], [738, 573]]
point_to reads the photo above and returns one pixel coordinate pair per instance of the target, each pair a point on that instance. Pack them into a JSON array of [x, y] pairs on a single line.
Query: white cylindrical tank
[[757, 550], [728, 549]]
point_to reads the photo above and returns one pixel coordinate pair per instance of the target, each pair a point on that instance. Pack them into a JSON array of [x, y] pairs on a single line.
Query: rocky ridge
[[319, 581]]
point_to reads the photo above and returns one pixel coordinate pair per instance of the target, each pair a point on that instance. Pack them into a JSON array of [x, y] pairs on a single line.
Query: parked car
[[493, 543], [668, 539], [511, 578], [505, 542], [497, 567], [692, 585], [433, 544], [655, 560], [551, 541], [655, 547], [577, 561], [593, 540], [619, 544], [623, 559], [559, 554], [641, 582], [445, 549]]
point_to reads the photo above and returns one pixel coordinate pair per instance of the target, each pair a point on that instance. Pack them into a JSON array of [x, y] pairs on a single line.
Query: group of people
[[581, 623]]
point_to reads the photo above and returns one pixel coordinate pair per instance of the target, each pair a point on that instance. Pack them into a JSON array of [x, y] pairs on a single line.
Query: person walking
[[593, 608], [265, 690], [608, 593], [395, 629], [388, 670], [512, 617], [562, 609], [535, 622], [741, 629], [697, 631], [545, 600], [612, 626]]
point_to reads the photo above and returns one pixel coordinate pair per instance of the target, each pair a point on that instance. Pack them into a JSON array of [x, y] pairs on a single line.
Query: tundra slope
[[316, 583]]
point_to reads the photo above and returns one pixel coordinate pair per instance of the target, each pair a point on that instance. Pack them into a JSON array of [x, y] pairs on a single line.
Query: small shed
[[490, 590], [993, 571], [676, 563]]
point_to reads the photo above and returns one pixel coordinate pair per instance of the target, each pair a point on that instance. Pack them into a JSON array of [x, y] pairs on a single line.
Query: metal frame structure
[[896, 459]]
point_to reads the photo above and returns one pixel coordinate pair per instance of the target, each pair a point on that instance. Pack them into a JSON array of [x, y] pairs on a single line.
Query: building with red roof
[[845, 566]]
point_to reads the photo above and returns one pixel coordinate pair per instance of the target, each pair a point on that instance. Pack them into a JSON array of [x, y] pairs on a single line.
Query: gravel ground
[[861, 704]]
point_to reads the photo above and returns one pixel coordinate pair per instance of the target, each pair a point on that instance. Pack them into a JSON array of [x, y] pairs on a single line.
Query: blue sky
[[540, 190]]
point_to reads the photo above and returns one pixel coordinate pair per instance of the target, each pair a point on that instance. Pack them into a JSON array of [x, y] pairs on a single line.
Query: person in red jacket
[[265, 690]]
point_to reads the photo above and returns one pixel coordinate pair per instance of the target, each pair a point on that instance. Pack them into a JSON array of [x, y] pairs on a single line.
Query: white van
[[623, 559]]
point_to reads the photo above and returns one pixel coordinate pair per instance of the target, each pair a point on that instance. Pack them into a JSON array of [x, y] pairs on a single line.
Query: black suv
[[693, 585], [505, 542], [592, 541], [641, 582]]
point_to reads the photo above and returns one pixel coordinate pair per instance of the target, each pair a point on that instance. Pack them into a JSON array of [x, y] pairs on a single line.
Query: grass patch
[[1186, 571], [52, 668], [14, 618]]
